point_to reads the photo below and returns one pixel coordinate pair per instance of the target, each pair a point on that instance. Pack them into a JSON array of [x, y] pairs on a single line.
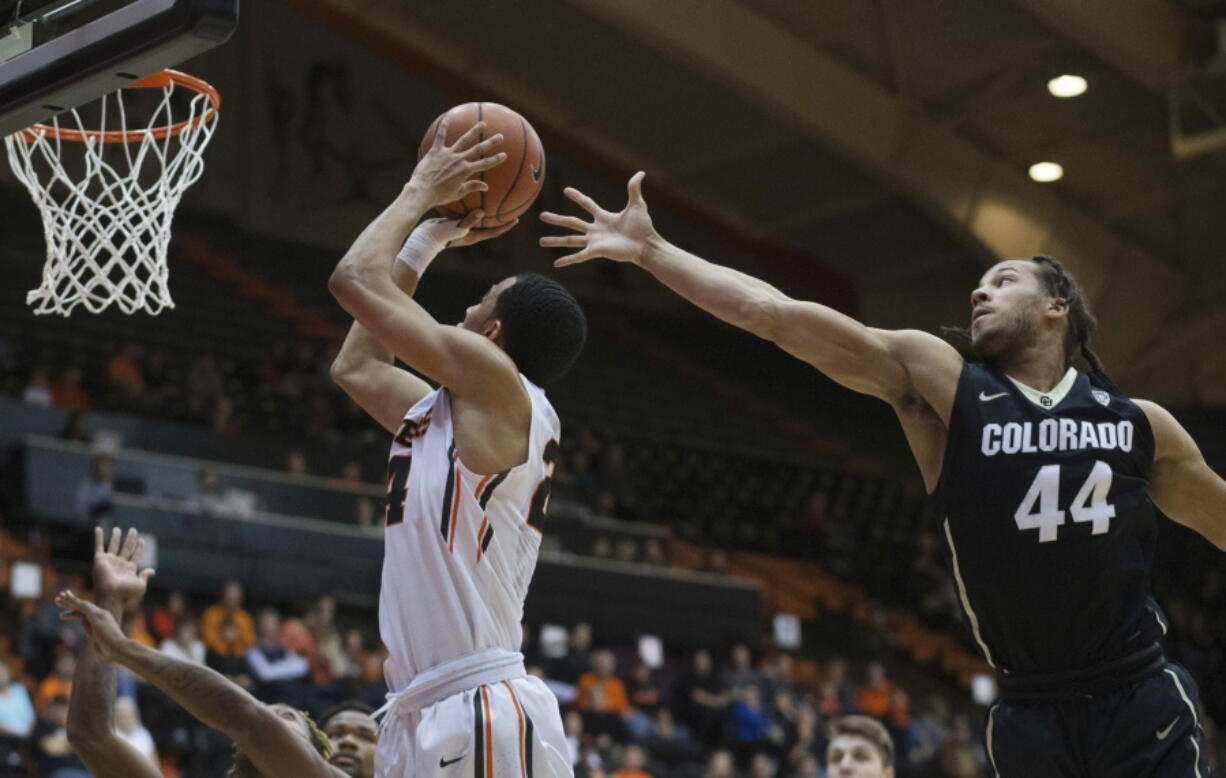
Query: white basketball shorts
[[510, 729]]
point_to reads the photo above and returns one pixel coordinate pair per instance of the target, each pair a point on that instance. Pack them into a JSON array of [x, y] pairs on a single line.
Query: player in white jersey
[[468, 481]]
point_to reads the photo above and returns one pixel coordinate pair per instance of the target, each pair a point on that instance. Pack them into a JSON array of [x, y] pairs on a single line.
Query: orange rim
[[157, 81]]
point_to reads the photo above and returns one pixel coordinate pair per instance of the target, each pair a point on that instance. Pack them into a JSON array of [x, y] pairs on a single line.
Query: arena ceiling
[[890, 139]]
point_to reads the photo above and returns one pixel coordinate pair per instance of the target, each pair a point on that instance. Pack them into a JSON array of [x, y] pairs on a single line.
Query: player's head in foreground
[[354, 733], [860, 747], [301, 724], [1031, 303], [535, 320]]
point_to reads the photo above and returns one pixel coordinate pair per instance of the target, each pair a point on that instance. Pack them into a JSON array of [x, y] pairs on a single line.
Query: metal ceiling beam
[[984, 196], [1143, 38]]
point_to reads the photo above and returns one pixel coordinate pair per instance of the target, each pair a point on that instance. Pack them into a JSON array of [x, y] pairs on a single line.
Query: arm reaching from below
[[118, 585], [1181, 484], [261, 733]]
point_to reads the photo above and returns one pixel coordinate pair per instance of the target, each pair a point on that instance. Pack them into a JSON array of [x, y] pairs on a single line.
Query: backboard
[[59, 54]]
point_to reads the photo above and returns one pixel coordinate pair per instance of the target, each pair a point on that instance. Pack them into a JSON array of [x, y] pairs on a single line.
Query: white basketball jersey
[[459, 547]]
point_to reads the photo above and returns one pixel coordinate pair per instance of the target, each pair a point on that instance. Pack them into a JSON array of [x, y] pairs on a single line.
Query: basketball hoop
[[107, 222]]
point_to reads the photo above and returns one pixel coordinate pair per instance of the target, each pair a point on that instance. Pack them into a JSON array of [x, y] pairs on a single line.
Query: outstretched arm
[[1181, 484], [365, 368], [467, 363], [91, 710], [896, 367], [257, 730]]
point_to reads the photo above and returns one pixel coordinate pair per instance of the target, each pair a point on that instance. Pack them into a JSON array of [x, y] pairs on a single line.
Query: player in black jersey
[[1046, 480]]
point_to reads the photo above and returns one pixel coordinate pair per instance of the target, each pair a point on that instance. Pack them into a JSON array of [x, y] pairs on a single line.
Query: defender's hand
[[100, 626], [445, 173], [620, 236], [117, 570]]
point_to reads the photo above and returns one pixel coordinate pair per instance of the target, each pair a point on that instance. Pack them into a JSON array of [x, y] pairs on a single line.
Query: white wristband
[[426, 241]]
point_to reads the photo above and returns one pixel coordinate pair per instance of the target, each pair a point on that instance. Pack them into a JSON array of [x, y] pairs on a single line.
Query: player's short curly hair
[[543, 327], [344, 707]]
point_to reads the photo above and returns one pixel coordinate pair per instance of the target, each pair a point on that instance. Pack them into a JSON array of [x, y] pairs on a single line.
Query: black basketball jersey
[[1043, 507]]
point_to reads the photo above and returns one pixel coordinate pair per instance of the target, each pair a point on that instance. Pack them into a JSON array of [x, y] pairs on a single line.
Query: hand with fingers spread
[[447, 173], [100, 626], [117, 574], [623, 236]]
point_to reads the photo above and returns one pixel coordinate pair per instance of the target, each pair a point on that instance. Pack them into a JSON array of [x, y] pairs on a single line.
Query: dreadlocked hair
[[1081, 323], [319, 741], [1057, 282]]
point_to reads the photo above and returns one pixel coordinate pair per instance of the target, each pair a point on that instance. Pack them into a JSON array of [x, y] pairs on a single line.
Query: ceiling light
[[1067, 86], [1045, 172]]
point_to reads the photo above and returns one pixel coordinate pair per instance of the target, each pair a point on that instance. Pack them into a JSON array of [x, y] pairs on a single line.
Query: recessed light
[[1045, 172], [1067, 86]]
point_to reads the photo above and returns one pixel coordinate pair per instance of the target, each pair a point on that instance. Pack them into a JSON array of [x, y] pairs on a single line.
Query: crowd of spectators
[[630, 712]]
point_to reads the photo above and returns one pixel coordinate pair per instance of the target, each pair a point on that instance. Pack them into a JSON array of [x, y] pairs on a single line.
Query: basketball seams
[[524, 204], [523, 157], [504, 186]]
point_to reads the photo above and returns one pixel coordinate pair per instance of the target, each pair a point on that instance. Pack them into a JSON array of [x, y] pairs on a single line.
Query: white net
[[108, 196]]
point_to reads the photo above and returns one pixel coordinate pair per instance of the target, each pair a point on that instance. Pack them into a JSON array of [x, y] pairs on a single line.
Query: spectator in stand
[[44, 635], [321, 621], [670, 743], [59, 683], [123, 372], [578, 657], [281, 675], [720, 765], [633, 763], [296, 463], [836, 674], [52, 751], [762, 766], [16, 711], [128, 726], [76, 428], [807, 766], [751, 727], [859, 747], [898, 721], [646, 700], [229, 611], [94, 503], [873, 698], [929, 733], [572, 725], [619, 494], [813, 524], [701, 700], [185, 644], [233, 667], [602, 697], [68, 392], [209, 500], [741, 672], [653, 553], [165, 618], [602, 547], [38, 389], [960, 756], [627, 551]]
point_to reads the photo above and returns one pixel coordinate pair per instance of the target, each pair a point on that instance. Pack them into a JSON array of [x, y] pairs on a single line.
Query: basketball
[[513, 185]]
